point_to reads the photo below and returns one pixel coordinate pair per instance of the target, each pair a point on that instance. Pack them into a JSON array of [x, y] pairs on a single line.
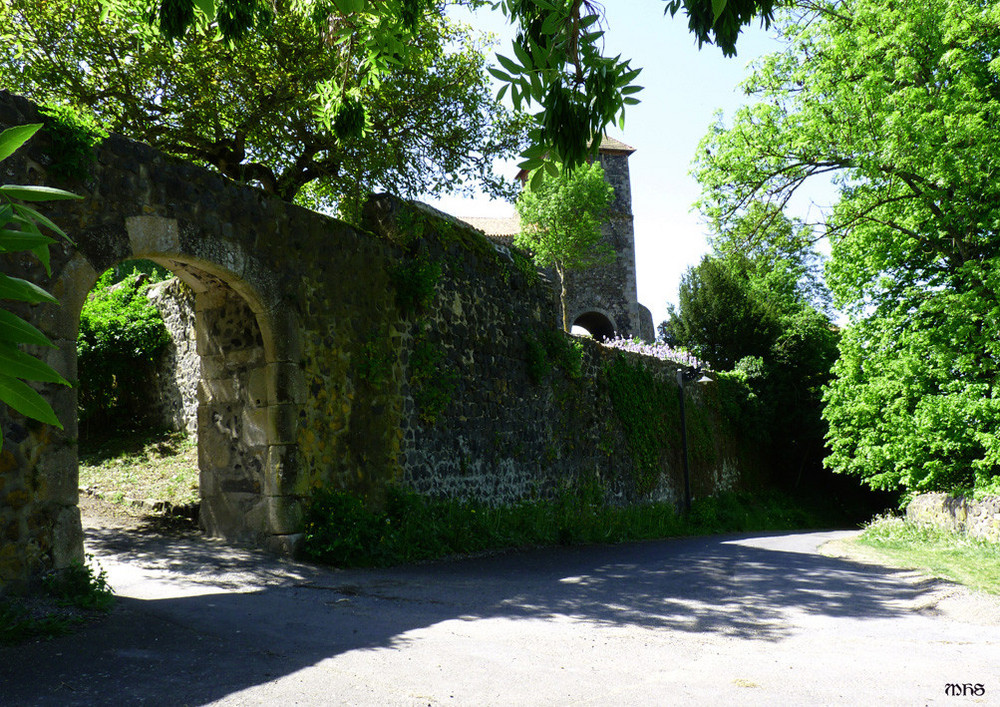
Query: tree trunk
[[562, 296]]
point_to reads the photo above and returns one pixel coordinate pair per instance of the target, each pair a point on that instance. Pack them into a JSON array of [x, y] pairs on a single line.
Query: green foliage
[[74, 136], [19, 625], [954, 556], [121, 334], [557, 60], [561, 217], [76, 588], [649, 410], [320, 106], [375, 360], [432, 381], [414, 281], [718, 317], [899, 104], [342, 530], [550, 347], [81, 586], [20, 232]]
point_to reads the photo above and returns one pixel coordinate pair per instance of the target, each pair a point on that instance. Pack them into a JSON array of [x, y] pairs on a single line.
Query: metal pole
[[684, 443]]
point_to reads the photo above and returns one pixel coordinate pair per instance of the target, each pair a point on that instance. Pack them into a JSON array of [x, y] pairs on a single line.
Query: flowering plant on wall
[[658, 349]]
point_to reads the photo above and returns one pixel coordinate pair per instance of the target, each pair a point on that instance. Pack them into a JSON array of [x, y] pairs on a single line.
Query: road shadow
[[202, 620]]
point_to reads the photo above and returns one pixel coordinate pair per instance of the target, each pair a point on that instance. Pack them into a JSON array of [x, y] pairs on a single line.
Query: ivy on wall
[[649, 411]]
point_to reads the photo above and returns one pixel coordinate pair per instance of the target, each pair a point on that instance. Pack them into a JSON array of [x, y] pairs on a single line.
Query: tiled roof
[[609, 144], [498, 230]]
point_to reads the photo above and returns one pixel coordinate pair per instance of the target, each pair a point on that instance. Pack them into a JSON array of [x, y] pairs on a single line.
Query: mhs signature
[[965, 689]]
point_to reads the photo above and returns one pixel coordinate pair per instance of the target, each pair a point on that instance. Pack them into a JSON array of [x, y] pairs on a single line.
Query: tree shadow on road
[[214, 619]]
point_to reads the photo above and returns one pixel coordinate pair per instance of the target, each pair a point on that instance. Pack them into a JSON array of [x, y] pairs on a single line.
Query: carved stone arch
[[597, 323], [247, 405]]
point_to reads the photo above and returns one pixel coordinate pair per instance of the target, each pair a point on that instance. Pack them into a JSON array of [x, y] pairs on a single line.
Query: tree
[[561, 220], [557, 62], [272, 111], [718, 318], [900, 104], [750, 315]]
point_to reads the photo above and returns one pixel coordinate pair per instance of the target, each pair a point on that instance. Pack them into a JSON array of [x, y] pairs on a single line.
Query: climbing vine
[[547, 348], [432, 380], [649, 411]]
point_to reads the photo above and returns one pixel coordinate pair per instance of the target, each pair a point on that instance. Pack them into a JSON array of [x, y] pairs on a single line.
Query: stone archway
[[246, 418], [597, 324]]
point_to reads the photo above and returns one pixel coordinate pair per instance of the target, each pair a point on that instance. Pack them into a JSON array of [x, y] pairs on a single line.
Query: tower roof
[[609, 144]]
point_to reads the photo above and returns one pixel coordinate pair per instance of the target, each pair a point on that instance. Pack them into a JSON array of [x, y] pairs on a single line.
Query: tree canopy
[[269, 111], [561, 221], [556, 62], [899, 103]]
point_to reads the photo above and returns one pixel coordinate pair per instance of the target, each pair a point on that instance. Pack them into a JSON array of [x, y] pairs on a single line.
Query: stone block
[[217, 390], [255, 427], [282, 421], [286, 384], [56, 475], [281, 470], [67, 537], [289, 545], [153, 235], [285, 514]]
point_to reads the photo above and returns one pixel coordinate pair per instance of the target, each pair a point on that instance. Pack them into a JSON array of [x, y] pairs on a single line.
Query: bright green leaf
[[20, 396], [12, 138], [16, 330], [35, 193], [23, 291], [18, 364]]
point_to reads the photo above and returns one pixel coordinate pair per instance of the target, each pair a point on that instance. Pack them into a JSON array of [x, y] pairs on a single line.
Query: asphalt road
[[723, 620]]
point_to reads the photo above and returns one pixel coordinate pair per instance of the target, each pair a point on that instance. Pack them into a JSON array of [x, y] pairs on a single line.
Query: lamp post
[[684, 376]]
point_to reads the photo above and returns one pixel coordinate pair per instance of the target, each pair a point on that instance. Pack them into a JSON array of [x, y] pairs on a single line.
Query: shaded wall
[[409, 350]]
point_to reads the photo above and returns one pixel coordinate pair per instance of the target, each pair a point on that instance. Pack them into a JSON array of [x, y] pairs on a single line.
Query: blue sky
[[683, 89]]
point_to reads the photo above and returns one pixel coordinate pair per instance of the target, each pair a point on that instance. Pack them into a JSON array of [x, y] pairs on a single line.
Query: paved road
[[725, 620]]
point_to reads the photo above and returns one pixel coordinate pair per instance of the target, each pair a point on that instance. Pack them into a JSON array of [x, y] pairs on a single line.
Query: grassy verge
[[72, 596], [161, 466], [954, 556], [342, 531]]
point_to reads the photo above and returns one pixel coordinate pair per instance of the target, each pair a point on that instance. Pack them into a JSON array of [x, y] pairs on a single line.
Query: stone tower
[[602, 300]]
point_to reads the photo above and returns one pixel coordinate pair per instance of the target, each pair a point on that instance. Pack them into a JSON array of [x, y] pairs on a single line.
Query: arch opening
[[595, 324], [208, 393]]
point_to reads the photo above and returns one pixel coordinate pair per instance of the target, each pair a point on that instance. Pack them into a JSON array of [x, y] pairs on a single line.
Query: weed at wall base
[[343, 531]]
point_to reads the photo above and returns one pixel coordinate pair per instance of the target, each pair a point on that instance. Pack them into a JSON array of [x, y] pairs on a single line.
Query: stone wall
[[976, 518], [173, 399], [408, 350]]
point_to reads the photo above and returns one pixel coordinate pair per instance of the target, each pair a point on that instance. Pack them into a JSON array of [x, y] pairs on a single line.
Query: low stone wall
[[978, 519]]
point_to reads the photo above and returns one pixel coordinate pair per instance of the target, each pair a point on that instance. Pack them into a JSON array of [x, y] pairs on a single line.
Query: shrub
[[121, 335]]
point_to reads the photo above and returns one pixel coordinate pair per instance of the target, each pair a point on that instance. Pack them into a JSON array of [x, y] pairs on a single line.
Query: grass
[[72, 596], [159, 466], [954, 556], [341, 530]]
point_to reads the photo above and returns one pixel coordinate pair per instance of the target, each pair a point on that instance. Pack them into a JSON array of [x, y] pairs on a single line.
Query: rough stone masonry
[[405, 351]]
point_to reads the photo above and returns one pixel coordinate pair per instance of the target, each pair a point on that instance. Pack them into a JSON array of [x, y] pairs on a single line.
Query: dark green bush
[[342, 530], [121, 335], [73, 139]]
